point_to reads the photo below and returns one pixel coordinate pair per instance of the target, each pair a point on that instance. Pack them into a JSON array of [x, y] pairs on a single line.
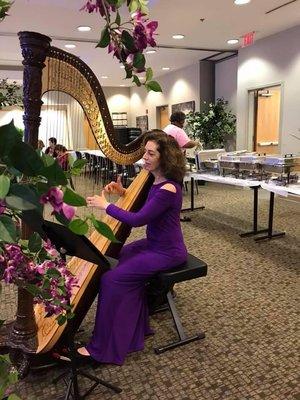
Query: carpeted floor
[[247, 305]]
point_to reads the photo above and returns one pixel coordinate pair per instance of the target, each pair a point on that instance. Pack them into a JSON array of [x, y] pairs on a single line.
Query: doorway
[[162, 116], [264, 119]]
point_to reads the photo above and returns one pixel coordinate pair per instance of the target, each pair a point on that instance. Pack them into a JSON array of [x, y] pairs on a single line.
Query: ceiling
[[223, 20]]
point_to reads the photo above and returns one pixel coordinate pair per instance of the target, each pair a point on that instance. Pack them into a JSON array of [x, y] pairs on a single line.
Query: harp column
[[35, 48]]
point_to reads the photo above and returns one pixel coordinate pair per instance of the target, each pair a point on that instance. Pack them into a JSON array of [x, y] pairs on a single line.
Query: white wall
[[178, 87], [272, 60], [226, 81], [117, 98]]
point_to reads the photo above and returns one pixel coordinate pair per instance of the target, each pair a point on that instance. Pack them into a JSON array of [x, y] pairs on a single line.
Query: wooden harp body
[[47, 68]]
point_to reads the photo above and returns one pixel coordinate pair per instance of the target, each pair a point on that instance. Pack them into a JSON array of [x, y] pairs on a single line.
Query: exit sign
[[248, 39]]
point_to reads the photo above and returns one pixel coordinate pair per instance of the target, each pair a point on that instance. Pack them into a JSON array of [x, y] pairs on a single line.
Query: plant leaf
[[73, 199], [32, 289], [54, 174], [128, 41], [35, 243], [4, 186], [149, 74], [78, 226], [9, 136], [153, 85], [29, 165], [104, 39], [136, 80], [61, 319], [139, 60], [21, 197], [104, 229]]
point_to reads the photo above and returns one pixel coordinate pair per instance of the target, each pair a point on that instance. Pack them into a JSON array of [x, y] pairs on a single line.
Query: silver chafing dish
[[281, 164]]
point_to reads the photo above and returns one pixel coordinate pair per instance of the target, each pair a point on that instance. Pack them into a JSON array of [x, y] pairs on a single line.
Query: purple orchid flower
[[2, 206], [54, 196]]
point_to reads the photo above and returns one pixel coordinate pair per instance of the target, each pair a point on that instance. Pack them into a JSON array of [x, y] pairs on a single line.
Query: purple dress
[[122, 320]]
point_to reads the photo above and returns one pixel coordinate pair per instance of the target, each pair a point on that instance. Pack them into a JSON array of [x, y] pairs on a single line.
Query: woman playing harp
[[122, 314]]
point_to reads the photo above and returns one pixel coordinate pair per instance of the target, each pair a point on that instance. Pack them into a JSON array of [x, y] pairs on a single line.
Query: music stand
[[69, 243]]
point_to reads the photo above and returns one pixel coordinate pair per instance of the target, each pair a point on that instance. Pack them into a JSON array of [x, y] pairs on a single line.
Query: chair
[[163, 283]]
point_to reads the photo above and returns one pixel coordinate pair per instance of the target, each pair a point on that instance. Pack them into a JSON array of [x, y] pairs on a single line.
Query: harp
[[49, 68]]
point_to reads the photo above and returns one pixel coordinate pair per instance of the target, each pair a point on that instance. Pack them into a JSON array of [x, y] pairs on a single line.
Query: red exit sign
[[248, 39]]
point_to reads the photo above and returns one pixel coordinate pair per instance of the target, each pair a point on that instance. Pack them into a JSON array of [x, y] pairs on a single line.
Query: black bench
[[164, 282]]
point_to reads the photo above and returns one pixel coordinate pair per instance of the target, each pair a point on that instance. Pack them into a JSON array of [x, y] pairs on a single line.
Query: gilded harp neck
[[67, 73]]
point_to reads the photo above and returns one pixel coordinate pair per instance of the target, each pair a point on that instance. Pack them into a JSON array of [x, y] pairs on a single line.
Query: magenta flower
[[2, 206], [54, 196]]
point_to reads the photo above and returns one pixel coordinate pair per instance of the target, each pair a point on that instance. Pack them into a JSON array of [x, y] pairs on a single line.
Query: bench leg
[[183, 339]]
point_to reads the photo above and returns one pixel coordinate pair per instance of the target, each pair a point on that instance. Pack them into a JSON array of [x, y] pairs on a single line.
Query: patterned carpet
[[247, 305]]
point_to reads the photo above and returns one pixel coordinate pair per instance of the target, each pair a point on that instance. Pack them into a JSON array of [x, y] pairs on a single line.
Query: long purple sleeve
[[153, 208]]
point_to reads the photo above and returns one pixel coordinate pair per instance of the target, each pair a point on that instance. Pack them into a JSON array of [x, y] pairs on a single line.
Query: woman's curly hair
[[172, 159]]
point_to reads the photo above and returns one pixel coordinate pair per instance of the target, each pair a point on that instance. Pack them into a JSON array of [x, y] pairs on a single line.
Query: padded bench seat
[[193, 268]]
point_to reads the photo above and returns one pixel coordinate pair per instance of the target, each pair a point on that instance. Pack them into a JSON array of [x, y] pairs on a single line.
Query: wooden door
[[163, 118], [267, 121]]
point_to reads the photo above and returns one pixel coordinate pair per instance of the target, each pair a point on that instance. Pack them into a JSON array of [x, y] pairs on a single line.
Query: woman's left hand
[[98, 201]]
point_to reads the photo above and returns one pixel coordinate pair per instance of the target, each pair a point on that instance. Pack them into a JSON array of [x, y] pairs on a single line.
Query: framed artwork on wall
[[186, 107], [142, 123]]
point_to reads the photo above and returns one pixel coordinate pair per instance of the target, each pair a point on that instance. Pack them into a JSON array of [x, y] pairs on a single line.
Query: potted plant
[[215, 127]]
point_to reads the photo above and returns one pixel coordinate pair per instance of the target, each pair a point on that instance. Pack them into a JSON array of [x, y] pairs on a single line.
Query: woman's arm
[[156, 206]]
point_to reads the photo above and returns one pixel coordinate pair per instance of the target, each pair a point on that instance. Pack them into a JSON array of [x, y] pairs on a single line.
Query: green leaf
[[47, 160], [78, 226], [7, 229], [104, 229], [128, 73], [61, 319], [13, 396], [79, 163], [13, 377], [53, 273], [118, 18], [21, 197], [104, 39], [35, 243], [153, 85], [32, 289], [4, 185], [149, 74], [9, 136], [25, 159], [61, 219], [139, 60], [136, 80], [133, 6], [54, 174], [73, 199], [112, 2], [128, 41], [42, 187]]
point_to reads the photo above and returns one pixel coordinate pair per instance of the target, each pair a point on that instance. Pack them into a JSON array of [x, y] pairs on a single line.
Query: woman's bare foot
[[83, 351]]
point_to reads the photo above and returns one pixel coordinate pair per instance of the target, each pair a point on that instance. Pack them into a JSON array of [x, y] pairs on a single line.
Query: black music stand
[[69, 243]]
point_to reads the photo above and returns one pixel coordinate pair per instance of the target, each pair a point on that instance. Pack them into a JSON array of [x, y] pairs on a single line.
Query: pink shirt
[[178, 134]]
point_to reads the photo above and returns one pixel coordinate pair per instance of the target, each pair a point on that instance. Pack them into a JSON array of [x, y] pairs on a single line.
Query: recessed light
[[178, 36], [241, 2], [232, 41], [165, 68], [150, 51], [122, 66], [104, 77], [70, 46], [122, 85], [84, 28]]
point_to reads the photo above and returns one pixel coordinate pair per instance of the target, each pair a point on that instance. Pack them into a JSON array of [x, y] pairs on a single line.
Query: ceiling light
[[70, 46], [122, 85], [122, 66], [241, 2], [178, 36], [84, 28], [150, 51], [232, 41], [165, 68], [104, 77]]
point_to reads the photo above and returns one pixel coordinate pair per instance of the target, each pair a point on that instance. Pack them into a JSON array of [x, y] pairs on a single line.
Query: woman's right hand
[[115, 187]]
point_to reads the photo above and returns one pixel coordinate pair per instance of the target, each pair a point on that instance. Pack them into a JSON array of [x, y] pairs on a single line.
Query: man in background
[[175, 129]]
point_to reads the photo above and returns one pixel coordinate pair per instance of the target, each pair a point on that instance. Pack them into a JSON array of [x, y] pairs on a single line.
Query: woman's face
[[151, 157]]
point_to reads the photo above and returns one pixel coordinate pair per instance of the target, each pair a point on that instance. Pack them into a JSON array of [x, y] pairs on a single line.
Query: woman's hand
[[98, 201], [115, 187]]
